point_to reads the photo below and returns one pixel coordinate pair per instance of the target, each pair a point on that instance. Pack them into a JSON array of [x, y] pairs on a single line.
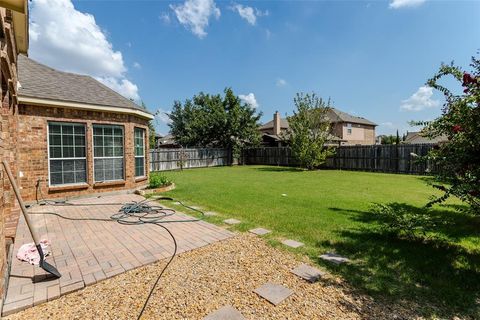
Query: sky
[[371, 58]]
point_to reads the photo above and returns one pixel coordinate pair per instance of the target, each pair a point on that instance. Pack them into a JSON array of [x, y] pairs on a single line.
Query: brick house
[[13, 40], [345, 129], [76, 136]]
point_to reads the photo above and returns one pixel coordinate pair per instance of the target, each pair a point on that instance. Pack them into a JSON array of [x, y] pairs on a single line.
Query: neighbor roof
[[42, 82], [417, 137], [334, 115]]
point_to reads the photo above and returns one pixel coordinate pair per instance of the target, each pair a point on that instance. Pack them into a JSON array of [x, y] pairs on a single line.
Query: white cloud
[[137, 65], [67, 39], [420, 100], [162, 116], [281, 82], [397, 4], [195, 15], [165, 18], [249, 99], [248, 13]]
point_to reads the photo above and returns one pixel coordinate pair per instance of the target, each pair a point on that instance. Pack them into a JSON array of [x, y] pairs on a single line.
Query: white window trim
[[49, 158], [114, 157], [144, 153]]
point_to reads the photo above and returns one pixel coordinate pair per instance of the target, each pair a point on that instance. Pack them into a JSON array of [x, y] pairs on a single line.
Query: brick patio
[[86, 252]]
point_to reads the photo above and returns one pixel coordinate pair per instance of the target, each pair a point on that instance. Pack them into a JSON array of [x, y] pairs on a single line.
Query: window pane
[[107, 130], [108, 151], [55, 139], [54, 128], [80, 176], [80, 130], [139, 167], [118, 131], [67, 140], [79, 165], [118, 141], [98, 152], [118, 174], [79, 141], [56, 178], [67, 152], [108, 141], [67, 129], [98, 141], [55, 152], [68, 177], [118, 152], [79, 152], [97, 130], [68, 165], [56, 166]]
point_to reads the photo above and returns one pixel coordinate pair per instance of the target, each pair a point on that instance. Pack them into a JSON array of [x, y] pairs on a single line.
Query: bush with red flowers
[[458, 158]]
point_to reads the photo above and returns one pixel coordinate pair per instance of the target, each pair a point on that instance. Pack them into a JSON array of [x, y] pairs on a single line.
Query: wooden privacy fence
[[380, 158], [171, 159]]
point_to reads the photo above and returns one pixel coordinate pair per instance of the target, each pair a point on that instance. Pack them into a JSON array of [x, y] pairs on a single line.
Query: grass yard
[[329, 211]]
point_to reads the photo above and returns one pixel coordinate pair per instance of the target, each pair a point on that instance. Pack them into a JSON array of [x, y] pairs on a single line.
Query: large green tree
[[309, 130], [215, 121]]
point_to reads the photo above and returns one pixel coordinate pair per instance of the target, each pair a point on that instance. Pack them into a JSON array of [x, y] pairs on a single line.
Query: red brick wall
[[33, 153], [8, 142]]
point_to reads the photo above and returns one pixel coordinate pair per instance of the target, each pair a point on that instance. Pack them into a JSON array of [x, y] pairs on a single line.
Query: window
[[66, 156], [139, 139], [107, 153], [349, 131]]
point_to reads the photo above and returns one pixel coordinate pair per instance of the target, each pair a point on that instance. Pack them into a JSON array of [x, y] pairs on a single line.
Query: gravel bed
[[224, 273]]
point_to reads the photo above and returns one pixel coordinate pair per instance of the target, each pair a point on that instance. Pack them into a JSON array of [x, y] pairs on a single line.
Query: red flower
[[457, 128], [467, 78]]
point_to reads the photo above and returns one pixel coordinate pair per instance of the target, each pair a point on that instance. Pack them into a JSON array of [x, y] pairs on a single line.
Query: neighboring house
[[76, 136], [13, 40], [168, 142], [346, 129], [417, 138]]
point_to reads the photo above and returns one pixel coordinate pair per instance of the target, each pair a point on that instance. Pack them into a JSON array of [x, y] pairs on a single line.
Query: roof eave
[[20, 22], [83, 106]]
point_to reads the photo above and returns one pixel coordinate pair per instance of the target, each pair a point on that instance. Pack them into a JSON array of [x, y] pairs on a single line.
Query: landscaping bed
[[225, 273]]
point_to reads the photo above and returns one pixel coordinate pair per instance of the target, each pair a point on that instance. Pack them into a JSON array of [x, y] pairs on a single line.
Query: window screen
[[108, 153], [67, 148]]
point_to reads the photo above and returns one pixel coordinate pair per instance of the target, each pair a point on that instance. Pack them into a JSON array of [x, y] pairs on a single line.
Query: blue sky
[[370, 57]]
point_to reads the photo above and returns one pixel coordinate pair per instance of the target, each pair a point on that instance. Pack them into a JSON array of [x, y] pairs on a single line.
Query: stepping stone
[[225, 313], [335, 258], [274, 293], [307, 272], [177, 203], [210, 214], [292, 243], [259, 231], [232, 221]]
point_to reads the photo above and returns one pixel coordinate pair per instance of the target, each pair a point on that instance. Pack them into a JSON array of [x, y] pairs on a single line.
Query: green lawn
[[329, 211]]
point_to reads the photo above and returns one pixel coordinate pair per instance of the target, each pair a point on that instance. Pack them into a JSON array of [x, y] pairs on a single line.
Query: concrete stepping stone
[[232, 221], [273, 293], [308, 273], [335, 258], [225, 313], [259, 231], [292, 243], [210, 214]]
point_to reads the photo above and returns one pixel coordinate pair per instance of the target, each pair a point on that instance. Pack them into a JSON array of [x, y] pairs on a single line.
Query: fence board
[[379, 158], [170, 159]]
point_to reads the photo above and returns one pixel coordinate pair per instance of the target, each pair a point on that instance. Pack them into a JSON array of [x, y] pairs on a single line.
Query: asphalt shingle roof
[[40, 81], [334, 115]]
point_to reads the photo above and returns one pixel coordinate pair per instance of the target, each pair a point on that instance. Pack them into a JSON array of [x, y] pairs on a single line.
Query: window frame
[[49, 158], [112, 157], [144, 156]]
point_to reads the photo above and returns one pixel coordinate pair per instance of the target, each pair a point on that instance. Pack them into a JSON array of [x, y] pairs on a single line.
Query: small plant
[[401, 221], [158, 180]]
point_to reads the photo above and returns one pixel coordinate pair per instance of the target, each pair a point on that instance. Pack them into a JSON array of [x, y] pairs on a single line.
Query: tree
[[309, 130], [397, 138], [458, 158], [215, 121]]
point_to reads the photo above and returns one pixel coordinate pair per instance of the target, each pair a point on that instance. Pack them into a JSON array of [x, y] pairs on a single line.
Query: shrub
[[158, 180], [403, 221]]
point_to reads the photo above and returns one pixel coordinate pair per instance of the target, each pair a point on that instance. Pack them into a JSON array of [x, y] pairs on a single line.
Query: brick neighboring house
[[76, 136], [345, 129], [13, 40]]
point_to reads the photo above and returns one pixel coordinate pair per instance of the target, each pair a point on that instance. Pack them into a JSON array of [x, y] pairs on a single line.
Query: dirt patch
[[224, 273]]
